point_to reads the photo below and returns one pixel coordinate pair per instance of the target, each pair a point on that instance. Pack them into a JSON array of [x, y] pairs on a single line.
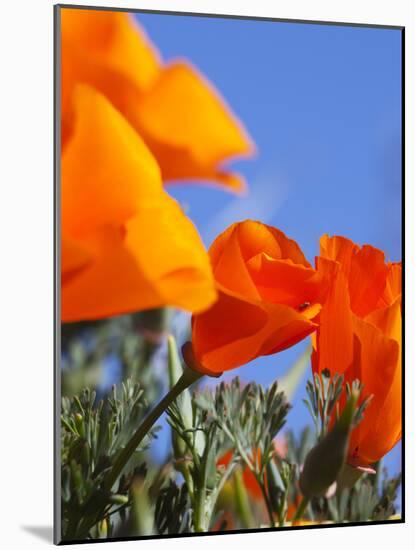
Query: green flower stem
[[187, 379], [200, 511], [282, 511]]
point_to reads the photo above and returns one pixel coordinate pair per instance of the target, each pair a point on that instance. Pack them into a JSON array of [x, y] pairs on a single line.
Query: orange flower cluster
[[360, 335], [129, 123], [270, 298]]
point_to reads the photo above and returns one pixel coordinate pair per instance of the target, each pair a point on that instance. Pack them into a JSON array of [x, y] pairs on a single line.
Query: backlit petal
[[128, 276], [112, 39], [338, 249], [256, 238], [367, 279], [366, 344], [107, 170], [229, 267], [379, 373], [284, 282], [334, 338], [235, 331], [136, 248], [268, 297], [224, 337], [74, 258], [177, 112], [187, 123], [393, 287]]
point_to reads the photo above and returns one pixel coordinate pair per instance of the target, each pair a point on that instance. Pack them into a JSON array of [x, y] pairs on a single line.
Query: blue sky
[[323, 105]]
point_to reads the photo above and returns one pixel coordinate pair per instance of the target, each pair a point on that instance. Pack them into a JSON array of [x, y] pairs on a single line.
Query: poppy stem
[[200, 518], [187, 379]]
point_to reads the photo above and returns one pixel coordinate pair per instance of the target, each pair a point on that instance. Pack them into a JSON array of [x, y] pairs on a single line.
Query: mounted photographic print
[[229, 274]]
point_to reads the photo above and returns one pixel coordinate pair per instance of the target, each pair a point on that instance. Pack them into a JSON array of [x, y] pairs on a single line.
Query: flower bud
[[325, 461], [102, 528], [350, 474], [80, 426], [118, 499]]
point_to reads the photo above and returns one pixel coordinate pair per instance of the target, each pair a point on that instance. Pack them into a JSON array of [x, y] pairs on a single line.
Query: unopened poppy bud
[[103, 528], [142, 515], [118, 499], [350, 474], [79, 422], [325, 461]]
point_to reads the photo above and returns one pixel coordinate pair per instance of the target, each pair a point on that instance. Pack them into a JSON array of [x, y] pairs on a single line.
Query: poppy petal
[[377, 432], [177, 112], [174, 256], [256, 238], [339, 249], [393, 287], [128, 276], [367, 279], [229, 267], [182, 111], [335, 330], [219, 334], [113, 39], [107, 170], [297, 286], [74, 258], [145, 252], [234, 331]]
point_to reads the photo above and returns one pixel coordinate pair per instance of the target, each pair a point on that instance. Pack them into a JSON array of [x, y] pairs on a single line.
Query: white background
[[26, 280]]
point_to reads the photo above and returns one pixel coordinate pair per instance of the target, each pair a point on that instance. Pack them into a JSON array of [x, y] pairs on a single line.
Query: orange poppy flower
[[126, 244], [180, 116], [268, 297], [360, 336]]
